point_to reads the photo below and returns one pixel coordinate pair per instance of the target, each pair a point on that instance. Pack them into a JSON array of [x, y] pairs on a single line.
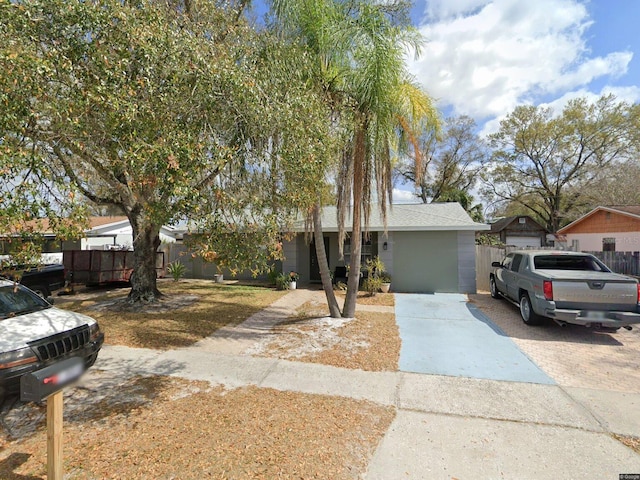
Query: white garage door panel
[[524, 241]]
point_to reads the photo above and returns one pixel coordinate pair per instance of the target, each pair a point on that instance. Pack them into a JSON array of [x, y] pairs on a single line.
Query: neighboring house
[[116, 233], [604, 229], [104, 233], [427, 247], [520, 231]]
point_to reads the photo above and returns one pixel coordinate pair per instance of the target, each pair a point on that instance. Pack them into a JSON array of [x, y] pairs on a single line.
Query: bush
[[372, 285], [282, 281], [273, 275], [176, 270]]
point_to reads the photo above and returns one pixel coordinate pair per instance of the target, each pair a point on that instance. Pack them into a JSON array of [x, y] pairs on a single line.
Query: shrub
[[283, 281], [273, 275], [372, 285], [176, 270]]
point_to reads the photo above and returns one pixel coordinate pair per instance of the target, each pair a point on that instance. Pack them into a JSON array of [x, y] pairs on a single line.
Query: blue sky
[[484, 57]]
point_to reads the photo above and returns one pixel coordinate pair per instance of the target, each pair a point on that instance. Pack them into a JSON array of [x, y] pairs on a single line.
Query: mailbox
[[38, 385]]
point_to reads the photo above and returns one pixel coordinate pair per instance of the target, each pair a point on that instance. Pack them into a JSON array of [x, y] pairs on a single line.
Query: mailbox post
[[48, 383]]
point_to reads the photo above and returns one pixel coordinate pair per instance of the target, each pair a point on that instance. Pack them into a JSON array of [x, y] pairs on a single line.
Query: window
[[506, 263], [367, 252], [515, 265], [608, 244]]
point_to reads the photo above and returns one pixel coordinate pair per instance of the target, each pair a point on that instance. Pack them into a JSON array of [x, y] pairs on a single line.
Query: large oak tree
[[549, 163], [165, 110]]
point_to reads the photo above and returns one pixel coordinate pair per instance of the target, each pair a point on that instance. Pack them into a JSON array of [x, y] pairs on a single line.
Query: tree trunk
[[349, 309], [146, 240], [323, 264]]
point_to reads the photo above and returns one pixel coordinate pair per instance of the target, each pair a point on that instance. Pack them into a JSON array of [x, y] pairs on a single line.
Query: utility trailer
[[100, 267]]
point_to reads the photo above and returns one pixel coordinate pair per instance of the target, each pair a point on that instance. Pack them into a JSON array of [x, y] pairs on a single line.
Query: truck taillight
[[638, 285], [547, 289]]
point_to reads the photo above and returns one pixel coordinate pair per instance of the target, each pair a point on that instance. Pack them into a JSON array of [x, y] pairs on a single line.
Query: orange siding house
[[613, 229]]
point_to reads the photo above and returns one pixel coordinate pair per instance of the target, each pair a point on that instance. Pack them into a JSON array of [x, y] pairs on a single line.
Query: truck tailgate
[[601, 291]]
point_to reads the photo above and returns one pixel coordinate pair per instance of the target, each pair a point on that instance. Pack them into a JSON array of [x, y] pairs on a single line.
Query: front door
[[314, 267]]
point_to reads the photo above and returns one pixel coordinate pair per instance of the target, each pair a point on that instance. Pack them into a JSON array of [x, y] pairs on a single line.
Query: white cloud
[[404, 196], [485, 57]]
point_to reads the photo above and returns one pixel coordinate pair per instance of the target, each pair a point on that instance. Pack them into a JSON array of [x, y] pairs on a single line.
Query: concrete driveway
[[443, 334]]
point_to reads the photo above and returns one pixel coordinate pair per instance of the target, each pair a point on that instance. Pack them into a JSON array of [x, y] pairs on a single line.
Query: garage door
[[523, 241], [425, 262]]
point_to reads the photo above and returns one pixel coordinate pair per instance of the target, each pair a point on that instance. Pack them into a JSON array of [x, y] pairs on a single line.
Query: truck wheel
[[494, 288], [526, 312], [41, 290]]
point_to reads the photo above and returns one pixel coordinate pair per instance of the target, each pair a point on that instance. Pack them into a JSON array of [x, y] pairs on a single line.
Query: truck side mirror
[[496, 264]]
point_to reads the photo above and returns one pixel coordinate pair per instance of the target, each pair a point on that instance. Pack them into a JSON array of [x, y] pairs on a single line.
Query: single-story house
[[519, 231], [115, 232], [426, 247], [604, 229]]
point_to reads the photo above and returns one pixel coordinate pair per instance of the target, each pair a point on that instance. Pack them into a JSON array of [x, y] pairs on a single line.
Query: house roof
[[631, 211], [407, 217], [500, 225]]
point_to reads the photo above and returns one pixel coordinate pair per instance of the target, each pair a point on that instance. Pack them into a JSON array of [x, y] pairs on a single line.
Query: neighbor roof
[[632, 211], [503, 223], [407, 217]]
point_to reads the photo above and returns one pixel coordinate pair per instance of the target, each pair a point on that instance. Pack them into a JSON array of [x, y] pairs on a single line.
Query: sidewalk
[[446, 427]]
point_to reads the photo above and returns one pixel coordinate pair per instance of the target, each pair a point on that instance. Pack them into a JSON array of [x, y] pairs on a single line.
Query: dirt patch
[[166, 303], [371, 341], [189, 430]]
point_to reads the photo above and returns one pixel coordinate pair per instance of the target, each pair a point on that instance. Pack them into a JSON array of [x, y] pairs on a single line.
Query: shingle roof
[[628, 210], [408, 217], [503, 223]]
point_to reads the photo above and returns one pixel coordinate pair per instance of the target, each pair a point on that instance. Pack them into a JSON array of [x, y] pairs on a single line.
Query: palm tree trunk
[[323, 264], [359, 158]]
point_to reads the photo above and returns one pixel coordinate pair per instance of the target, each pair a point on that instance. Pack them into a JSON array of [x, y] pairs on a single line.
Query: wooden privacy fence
[[485, 254], [627, 263]]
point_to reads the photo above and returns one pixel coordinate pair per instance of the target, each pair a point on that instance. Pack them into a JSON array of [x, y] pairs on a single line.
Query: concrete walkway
[[446, 426], [443, 334]]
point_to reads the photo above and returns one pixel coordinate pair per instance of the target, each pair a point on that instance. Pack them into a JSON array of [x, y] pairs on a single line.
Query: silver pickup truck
[[567, 287]]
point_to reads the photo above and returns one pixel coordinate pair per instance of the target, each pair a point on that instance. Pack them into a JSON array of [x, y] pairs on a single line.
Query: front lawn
[[190, 311]]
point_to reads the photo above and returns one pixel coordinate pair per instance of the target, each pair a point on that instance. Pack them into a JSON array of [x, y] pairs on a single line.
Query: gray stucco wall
[[425, 262]]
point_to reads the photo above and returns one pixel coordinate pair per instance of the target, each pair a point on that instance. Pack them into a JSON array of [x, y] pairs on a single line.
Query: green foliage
[[272, 275], [164, 113], [283, 281], [177, 270], [359, 49], [372, 285], [547, 163], [377, 275]]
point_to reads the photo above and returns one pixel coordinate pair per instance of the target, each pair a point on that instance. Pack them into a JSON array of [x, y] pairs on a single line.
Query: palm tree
[[360, 48]]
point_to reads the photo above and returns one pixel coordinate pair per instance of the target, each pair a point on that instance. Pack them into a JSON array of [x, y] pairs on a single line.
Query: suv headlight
[[94, 331], [17, 358]]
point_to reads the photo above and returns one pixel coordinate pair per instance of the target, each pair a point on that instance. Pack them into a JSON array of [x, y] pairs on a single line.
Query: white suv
[[34, 334]]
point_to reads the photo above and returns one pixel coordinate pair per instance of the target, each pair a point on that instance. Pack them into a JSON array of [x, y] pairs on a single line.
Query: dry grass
[[190, 311], [379, 299], [188, 430], [371, 341], [631, 442]]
